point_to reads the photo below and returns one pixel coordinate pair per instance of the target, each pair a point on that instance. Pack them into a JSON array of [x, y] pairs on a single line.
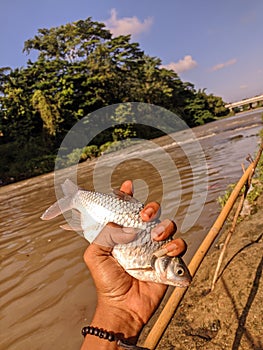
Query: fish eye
[[179, 271]]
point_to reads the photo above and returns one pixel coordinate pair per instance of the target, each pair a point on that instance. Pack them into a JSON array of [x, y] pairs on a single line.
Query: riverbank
[[37, 157], [229, 317], [48, 293]]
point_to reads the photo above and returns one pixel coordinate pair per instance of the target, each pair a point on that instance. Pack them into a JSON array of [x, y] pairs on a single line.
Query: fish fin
[[67, 227], [74, 224], [61, 206], [90, 227], [76, 219], [147, 268], [69, 188], [124, 196]]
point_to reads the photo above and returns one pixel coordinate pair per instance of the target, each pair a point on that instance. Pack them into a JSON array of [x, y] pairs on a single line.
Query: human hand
[[125, 304]]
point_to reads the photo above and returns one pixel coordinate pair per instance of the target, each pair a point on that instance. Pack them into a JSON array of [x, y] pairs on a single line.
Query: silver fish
[[142, 258]]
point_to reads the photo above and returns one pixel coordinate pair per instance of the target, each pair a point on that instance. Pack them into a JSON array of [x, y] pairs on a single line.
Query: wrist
[[122, 323], [117, 320]]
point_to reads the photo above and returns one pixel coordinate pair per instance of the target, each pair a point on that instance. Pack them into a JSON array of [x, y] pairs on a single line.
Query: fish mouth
[[176, 283], [173, 280], [183, 284]]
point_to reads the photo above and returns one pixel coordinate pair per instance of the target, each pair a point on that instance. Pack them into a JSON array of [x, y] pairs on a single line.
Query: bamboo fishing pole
[[163, 320]]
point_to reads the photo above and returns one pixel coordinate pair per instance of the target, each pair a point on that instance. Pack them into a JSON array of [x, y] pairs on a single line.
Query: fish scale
[[139, 257], [121, 212], [139, 251]]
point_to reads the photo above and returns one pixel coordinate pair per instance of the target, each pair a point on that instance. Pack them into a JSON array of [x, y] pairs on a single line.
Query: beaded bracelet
[[110, 336]]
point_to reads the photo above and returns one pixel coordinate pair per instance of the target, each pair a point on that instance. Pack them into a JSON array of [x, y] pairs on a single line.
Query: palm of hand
[[116, 288]]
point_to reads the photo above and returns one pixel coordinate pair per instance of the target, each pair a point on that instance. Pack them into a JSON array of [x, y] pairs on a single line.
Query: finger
[[173, 248], [113, 234], [151, 211], [176, 247], [124, 236], [119, 234], [127, 187], [103, 267], [163, 230], [104, 238], [95, 252]]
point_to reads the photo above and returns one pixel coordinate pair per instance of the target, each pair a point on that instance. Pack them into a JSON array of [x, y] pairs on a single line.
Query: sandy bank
[[230, 317]]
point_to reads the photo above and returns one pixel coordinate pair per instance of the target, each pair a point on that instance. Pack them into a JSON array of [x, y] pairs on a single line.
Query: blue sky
[[217, 45]]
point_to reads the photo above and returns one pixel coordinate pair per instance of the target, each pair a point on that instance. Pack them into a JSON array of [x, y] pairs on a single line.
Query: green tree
[[202, 108], [71, 42], [80, 68], [48, 112], [17, 121]]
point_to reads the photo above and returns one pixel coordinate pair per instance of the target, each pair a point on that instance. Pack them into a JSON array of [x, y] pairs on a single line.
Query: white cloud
[[127, 25], [182, 65], [243, 86], [223, 65]]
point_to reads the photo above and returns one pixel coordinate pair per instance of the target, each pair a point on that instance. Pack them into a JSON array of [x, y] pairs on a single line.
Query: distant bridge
[[250, 102]]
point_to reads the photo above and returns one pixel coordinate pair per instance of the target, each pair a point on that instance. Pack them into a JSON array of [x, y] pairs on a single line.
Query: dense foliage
[[80, 68]]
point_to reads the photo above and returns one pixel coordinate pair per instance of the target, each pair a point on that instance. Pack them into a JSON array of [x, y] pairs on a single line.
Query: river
[[47, 294]]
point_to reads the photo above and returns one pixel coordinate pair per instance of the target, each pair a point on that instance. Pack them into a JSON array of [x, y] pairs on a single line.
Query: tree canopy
[[80, 68]]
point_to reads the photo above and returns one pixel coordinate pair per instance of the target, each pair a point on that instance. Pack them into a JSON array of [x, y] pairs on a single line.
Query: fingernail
[[173, 249], [157, 231], [149, 211], [171, 246], [161, 252]]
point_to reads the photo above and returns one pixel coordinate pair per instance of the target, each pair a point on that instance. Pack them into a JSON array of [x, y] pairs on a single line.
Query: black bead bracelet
[[98, 332], [110, 336]]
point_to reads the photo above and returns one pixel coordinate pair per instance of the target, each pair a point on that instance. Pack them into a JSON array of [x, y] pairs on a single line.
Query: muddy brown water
[[47, 294]]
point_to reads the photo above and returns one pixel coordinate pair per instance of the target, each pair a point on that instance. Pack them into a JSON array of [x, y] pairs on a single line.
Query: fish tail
[[63, 204]]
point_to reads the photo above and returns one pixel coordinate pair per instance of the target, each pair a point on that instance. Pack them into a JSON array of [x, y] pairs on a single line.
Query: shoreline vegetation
[[80, 68], [21, 162]]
